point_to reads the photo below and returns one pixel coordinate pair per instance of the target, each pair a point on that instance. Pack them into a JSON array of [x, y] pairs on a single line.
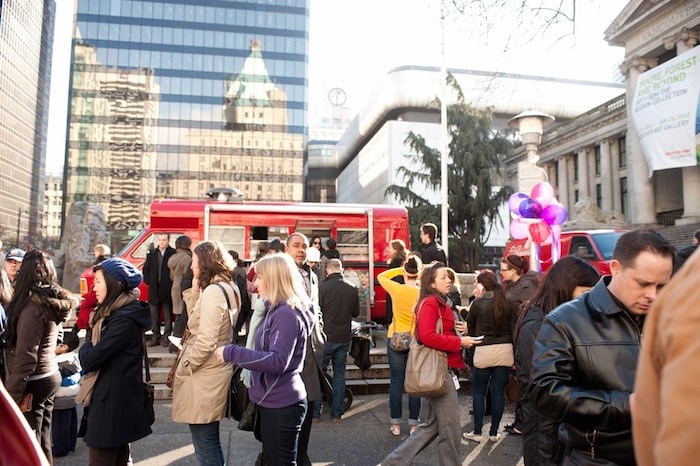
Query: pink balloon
[[518, 229], [543, 193], [539, 232], [515, 201], [554, 214]]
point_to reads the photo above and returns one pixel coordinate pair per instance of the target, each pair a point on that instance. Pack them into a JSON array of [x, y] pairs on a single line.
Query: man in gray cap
[[13, 261]]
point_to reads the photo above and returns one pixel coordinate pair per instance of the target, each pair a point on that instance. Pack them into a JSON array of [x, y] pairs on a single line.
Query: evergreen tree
[[473, 167]]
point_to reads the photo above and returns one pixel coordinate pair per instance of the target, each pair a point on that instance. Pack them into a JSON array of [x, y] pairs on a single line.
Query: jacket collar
[[602, 300]]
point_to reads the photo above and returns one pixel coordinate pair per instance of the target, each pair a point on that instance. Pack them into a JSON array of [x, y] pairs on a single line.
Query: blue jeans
[[207, 446], [480, 382], [397, 374], [336, 354], [280, 429]]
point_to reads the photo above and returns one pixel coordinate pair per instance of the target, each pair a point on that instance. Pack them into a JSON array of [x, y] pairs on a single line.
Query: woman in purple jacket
[[278, 357]]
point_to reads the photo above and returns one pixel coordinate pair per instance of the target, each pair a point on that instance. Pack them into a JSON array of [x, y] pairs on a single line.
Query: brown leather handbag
[[427, 374]]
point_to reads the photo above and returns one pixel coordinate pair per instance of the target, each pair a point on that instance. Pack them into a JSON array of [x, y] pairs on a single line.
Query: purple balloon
[[515, 201], [554, 214], [530, 208]]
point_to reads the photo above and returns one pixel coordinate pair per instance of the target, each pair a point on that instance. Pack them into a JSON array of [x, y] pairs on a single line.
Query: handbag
[[400, 341], [148, 389], [250, 420], [238, 399], [512, 389], [427, 374]]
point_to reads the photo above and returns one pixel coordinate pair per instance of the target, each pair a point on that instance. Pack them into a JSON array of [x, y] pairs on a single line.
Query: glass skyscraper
[[26, 37], [170, 98]]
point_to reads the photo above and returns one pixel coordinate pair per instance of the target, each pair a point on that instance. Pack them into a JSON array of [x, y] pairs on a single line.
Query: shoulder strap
[[145, 356], [228, 301]]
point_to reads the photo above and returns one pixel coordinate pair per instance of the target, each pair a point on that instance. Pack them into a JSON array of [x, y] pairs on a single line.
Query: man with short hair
[[432, 252], [297, 244], [339, 303], [156, 275], [684, 253], [13, 261], [586, 353]]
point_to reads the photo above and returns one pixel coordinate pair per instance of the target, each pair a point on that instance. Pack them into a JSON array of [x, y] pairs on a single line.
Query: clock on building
[[337, 96]]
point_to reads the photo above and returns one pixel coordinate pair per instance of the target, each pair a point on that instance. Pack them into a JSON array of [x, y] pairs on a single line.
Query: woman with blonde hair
[[404, 297], [202, 382], [278, 357]]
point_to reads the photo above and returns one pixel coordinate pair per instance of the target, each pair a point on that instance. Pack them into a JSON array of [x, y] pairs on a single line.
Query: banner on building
[[666, 111]]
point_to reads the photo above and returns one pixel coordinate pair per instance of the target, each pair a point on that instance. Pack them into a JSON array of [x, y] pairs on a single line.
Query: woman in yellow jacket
[[404, 297]]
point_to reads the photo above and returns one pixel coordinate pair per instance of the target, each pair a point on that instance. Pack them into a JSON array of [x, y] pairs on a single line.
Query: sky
[[353, 44]]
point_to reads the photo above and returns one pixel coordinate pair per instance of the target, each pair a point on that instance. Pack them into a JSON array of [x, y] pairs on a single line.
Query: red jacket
[[448, 341], [87, 305]]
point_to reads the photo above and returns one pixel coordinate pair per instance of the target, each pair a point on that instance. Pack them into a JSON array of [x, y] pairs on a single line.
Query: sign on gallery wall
[[666, 112]]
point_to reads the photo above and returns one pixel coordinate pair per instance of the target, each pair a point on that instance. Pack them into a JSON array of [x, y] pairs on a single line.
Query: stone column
[[684, 41], [563, 181], [639, 184], [570, 167], [615, 173], [606, 202], [591, 173], [583, 181]]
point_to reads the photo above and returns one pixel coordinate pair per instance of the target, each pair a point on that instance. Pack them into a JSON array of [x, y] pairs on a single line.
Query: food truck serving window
[[233, 238], [353, 245]]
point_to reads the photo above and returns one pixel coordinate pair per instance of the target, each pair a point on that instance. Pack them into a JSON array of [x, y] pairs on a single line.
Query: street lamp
[[530, 125], [20, 211]]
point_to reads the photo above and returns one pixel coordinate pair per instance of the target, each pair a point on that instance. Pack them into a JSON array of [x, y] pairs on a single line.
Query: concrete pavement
[[361, 438]]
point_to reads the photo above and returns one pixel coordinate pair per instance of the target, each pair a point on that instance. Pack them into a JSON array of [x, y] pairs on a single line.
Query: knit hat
[[313, 255], [122, 271]]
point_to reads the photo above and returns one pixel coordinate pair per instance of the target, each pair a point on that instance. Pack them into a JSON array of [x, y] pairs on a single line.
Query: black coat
[[682, 255], [339, 303], [433, 252], [117, 412], [158, 292], [540, 444], [583, 371]]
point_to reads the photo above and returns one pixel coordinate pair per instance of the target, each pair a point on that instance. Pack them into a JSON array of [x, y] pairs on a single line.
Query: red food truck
[[362, 234]]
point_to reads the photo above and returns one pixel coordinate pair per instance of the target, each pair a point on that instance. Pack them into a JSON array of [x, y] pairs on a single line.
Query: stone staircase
[[680, 235], [372, 381]]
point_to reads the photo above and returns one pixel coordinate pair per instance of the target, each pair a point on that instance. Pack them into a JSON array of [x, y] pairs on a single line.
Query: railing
[[669, 218]]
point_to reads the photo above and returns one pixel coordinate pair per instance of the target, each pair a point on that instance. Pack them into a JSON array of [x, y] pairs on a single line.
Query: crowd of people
[[589, 392]]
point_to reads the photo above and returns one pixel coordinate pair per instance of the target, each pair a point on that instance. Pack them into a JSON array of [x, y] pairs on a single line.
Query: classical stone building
[[598, 154]]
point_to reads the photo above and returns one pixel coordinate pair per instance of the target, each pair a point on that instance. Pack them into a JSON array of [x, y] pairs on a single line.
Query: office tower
[[172, 99], [26, 36]]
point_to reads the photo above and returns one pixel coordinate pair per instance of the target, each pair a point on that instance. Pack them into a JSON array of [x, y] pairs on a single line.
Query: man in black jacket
[[339, 303], [431, 250], [156, 274], [586, 353]]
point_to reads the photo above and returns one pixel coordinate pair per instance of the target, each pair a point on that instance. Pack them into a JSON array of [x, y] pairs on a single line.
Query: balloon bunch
[[537, 217]]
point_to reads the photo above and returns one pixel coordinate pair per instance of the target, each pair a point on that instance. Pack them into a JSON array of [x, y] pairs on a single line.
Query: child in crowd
[[65, 415]]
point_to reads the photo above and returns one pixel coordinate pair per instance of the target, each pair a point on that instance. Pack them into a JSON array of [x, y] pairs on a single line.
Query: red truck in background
[[595, 246], [362, 234]]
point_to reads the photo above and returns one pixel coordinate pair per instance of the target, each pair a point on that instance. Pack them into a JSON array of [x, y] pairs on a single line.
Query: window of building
[[598, 195], [576, 195], [623, 195], [622, 150], [576, 159], [597, 160]]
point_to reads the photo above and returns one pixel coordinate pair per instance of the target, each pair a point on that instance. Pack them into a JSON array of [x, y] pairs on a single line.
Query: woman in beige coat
[[201, 384], [179, 264]]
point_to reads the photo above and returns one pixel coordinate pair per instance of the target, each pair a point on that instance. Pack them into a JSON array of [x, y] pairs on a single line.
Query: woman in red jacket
[[441, 415]]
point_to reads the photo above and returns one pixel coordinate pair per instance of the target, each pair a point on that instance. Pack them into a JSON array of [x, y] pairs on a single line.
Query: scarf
[[87, 384]]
